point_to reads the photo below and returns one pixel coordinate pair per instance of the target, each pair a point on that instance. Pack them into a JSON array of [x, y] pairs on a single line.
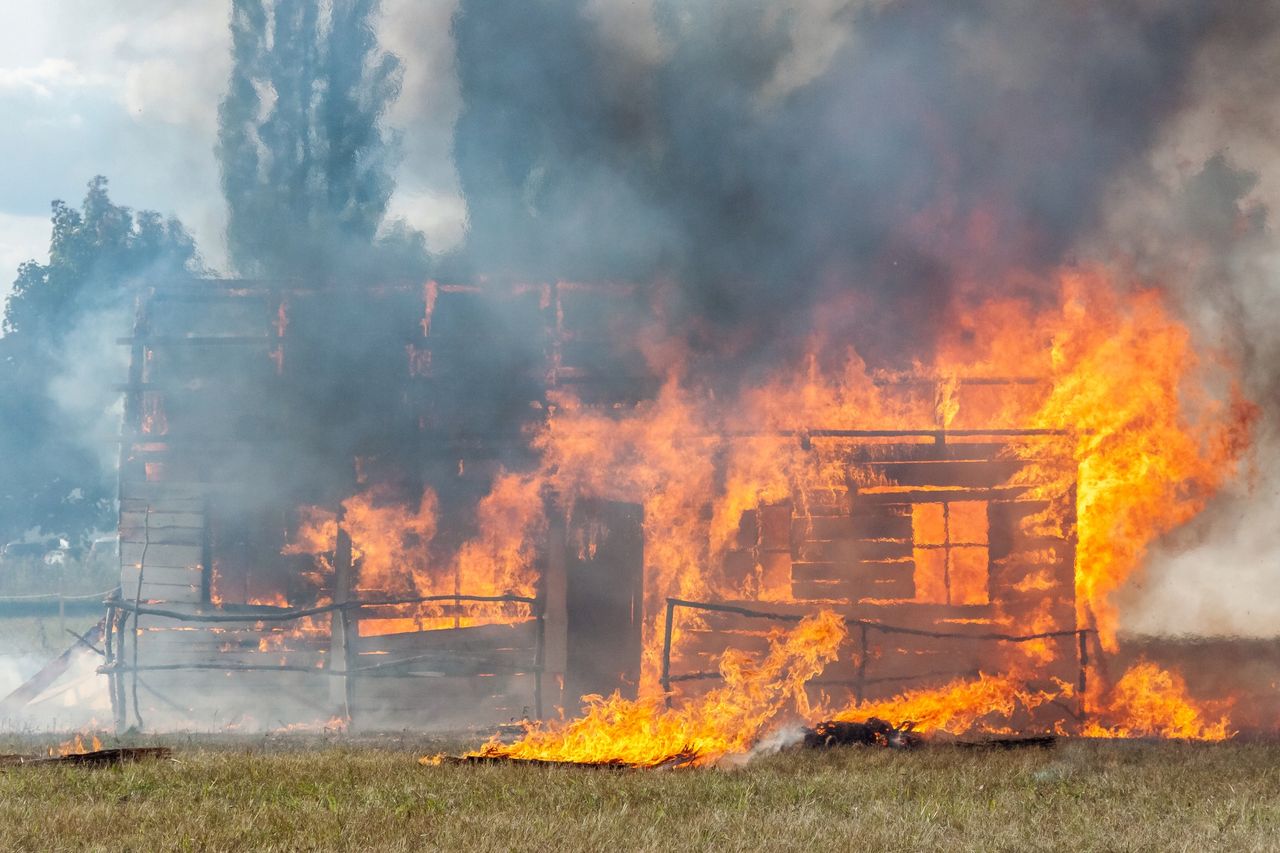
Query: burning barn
[[440, 505]]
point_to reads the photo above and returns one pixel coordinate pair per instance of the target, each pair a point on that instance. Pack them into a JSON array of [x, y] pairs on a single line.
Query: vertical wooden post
[[666, 649], [860, 684], [342, 626], [555, 601], [1082, 685], [539, 662], [110, 662], [122, 625]]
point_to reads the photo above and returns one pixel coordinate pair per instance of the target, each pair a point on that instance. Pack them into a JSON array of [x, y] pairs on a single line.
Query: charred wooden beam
[[93, 758], [871, 732]]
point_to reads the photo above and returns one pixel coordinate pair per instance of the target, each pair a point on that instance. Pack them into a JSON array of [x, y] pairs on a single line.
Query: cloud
[[420, 33], [47, 77], [441, 216], [128, 89], [22, 238]]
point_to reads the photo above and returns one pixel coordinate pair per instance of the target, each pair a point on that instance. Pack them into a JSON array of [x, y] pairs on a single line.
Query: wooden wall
[[854, 550]]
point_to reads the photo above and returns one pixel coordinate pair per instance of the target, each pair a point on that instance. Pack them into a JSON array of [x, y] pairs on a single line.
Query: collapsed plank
[[94, 758]]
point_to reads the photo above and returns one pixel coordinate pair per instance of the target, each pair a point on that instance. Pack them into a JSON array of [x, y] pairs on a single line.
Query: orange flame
[[391, 543], [1148, 701], [986, 704], [77, 745], [729, 719], [1153, 428]]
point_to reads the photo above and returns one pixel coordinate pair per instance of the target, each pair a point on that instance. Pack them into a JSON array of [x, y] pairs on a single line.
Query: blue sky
[[130, 89]]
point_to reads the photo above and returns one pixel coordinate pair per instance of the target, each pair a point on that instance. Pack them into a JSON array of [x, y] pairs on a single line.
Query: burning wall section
[[432, 474], [941, 562]]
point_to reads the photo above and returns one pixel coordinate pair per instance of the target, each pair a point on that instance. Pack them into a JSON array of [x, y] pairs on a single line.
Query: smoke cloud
[[769, 157]]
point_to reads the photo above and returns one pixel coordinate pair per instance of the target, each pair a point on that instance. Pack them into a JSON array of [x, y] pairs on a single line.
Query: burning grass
[[321, 794], [645, 733]]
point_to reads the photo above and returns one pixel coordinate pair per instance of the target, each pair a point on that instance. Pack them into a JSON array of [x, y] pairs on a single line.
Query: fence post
[[343, 626], [109, 663], [860, 685], [1083, 636], [540, 662], [666, 651]]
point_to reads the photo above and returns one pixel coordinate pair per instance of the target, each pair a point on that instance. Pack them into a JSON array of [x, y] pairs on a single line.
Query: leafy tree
[[51, 476], [306, 164]]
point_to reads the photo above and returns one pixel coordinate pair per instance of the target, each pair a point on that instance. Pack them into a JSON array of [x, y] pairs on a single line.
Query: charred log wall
[[931, 536]]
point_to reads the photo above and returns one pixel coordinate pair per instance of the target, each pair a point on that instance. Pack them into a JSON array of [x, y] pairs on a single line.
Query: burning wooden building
[[341, 503]]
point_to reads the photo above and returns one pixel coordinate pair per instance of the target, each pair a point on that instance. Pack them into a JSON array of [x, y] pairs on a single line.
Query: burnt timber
[[226, 431]]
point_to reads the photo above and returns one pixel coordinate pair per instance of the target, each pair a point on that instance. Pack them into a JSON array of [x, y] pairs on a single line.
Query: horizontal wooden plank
[[711, 644], [701, 650], [161, 520], [167, 593], [820, 590], [910, 495], [212, 640], [171, 556], [878, 587], [1027, 609], [1012, 577], [160, 575], [188, 505], [158, 493], [149, 655], [930, 617], [893, 523], [437, 664], [964, 619], [961, 474], [857, 571], [823, 504], [820, 527], [170, 584], [162, 535], [177, 627], [883, 643], [522, 635], [851, 550], [927, 452]]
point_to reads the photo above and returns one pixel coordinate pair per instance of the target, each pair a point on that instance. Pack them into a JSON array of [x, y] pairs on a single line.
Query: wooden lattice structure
[[932, 553], [246, 400], [233, 418]]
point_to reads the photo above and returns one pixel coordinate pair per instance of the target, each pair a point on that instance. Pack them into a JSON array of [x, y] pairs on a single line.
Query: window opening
[[950, 546]]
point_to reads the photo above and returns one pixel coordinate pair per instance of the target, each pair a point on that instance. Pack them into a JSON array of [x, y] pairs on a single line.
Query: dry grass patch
[[322, 796]]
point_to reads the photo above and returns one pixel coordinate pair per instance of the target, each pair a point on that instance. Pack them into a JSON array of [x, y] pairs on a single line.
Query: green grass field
[[312, 794]]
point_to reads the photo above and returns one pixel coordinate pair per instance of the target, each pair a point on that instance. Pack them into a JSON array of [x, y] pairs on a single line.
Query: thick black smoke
[[755, 159], [940, 139], [307, 164]]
